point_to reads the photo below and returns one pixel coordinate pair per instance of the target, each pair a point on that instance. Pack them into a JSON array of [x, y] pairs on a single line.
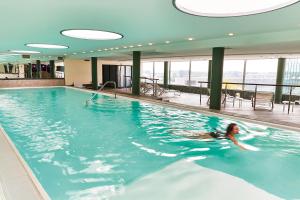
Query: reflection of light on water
[[191, 159], [224, 143], [225, 147], [247, 137], [200, 149], [152, 151], [97, 167], [101, 193]]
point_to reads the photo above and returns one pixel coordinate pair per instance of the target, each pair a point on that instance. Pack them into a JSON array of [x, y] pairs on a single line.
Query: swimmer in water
[[231, 131]]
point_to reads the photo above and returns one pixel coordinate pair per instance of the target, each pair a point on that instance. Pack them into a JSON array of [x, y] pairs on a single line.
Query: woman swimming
[[231, 130]]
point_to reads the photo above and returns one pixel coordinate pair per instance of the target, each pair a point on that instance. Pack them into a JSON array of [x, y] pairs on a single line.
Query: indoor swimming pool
[[108, 148]]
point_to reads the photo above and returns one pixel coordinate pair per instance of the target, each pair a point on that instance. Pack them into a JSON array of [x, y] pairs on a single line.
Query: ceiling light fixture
[[139, 45], [92, 51], [125, 47], [150, 44], [91, 34], [131, 46], [47, 46], [24, 52], [231, 34], [229, 8], [9, 54], [167, 42], [190, 39]]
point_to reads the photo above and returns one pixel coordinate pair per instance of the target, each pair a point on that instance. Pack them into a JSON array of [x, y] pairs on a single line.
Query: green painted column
[[279, 79], [216, 78], [136, 70], [52, 68], [209, 73], [94, 73], [29, 73], [38, 67], [166, 74]]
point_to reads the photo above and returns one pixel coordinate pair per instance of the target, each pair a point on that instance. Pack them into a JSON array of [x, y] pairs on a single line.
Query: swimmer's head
[[232, 129]]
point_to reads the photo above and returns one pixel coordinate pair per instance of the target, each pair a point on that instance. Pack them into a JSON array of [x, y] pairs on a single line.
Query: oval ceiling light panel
[[47, 46], [91, 34], [230, 8], [24, 52]]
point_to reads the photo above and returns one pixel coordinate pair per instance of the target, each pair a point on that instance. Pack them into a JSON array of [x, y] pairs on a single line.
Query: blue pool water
[[90, 152]]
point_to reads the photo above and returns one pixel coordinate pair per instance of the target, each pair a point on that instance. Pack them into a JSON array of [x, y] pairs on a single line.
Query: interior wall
[[77, 72]]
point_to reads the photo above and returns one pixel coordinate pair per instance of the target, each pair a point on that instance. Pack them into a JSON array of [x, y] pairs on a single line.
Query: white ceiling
[[141, 22]]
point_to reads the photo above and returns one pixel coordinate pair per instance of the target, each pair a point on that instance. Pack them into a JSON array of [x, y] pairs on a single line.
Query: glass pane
[[199, 72], [292, 75], [159, 71], [263, 71], [233, 73], [147, 69], [179, 73]]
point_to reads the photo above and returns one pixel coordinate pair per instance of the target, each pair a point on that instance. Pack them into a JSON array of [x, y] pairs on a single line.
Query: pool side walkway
[[15, 182]]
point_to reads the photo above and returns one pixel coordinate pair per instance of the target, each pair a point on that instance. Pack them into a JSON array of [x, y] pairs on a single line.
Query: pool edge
[[39, 188]]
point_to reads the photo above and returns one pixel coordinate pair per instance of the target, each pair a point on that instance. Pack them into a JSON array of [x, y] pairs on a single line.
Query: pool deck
[[16, 183]]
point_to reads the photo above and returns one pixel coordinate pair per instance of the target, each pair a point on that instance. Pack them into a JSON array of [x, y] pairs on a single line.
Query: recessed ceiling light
[[92, 51], [229, 8], [131, 46], [91, 34], [190, 39], [150, 44], [117, 48], [47, 46], [111, 48], [74, 53], [99, 50], [105, 49], [9, 54], [168, 42], [25, 52], [65, 54], [139, 45], [125, 47], [83, 52], [231, 34]]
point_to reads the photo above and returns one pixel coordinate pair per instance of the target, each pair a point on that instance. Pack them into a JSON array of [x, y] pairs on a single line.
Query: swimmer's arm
[[237, 143]]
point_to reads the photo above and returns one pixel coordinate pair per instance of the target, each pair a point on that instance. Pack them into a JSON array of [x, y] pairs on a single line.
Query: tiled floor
[[277, 116], [15, 183]]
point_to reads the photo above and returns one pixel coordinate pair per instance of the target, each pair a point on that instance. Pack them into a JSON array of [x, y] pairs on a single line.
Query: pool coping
[[35, 182], [193, 109]]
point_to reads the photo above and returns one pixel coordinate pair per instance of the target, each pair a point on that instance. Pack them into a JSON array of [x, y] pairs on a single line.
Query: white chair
[[264, 99], [239, 99]]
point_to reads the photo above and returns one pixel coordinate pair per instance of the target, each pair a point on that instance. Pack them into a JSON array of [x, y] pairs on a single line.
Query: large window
[[179, 73], [199, 72], [159, 71], [292, 75], [233, 72], [263, 71], [147, 70]]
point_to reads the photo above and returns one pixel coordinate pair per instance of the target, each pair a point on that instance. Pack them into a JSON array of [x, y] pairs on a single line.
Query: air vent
[[26, 56]]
